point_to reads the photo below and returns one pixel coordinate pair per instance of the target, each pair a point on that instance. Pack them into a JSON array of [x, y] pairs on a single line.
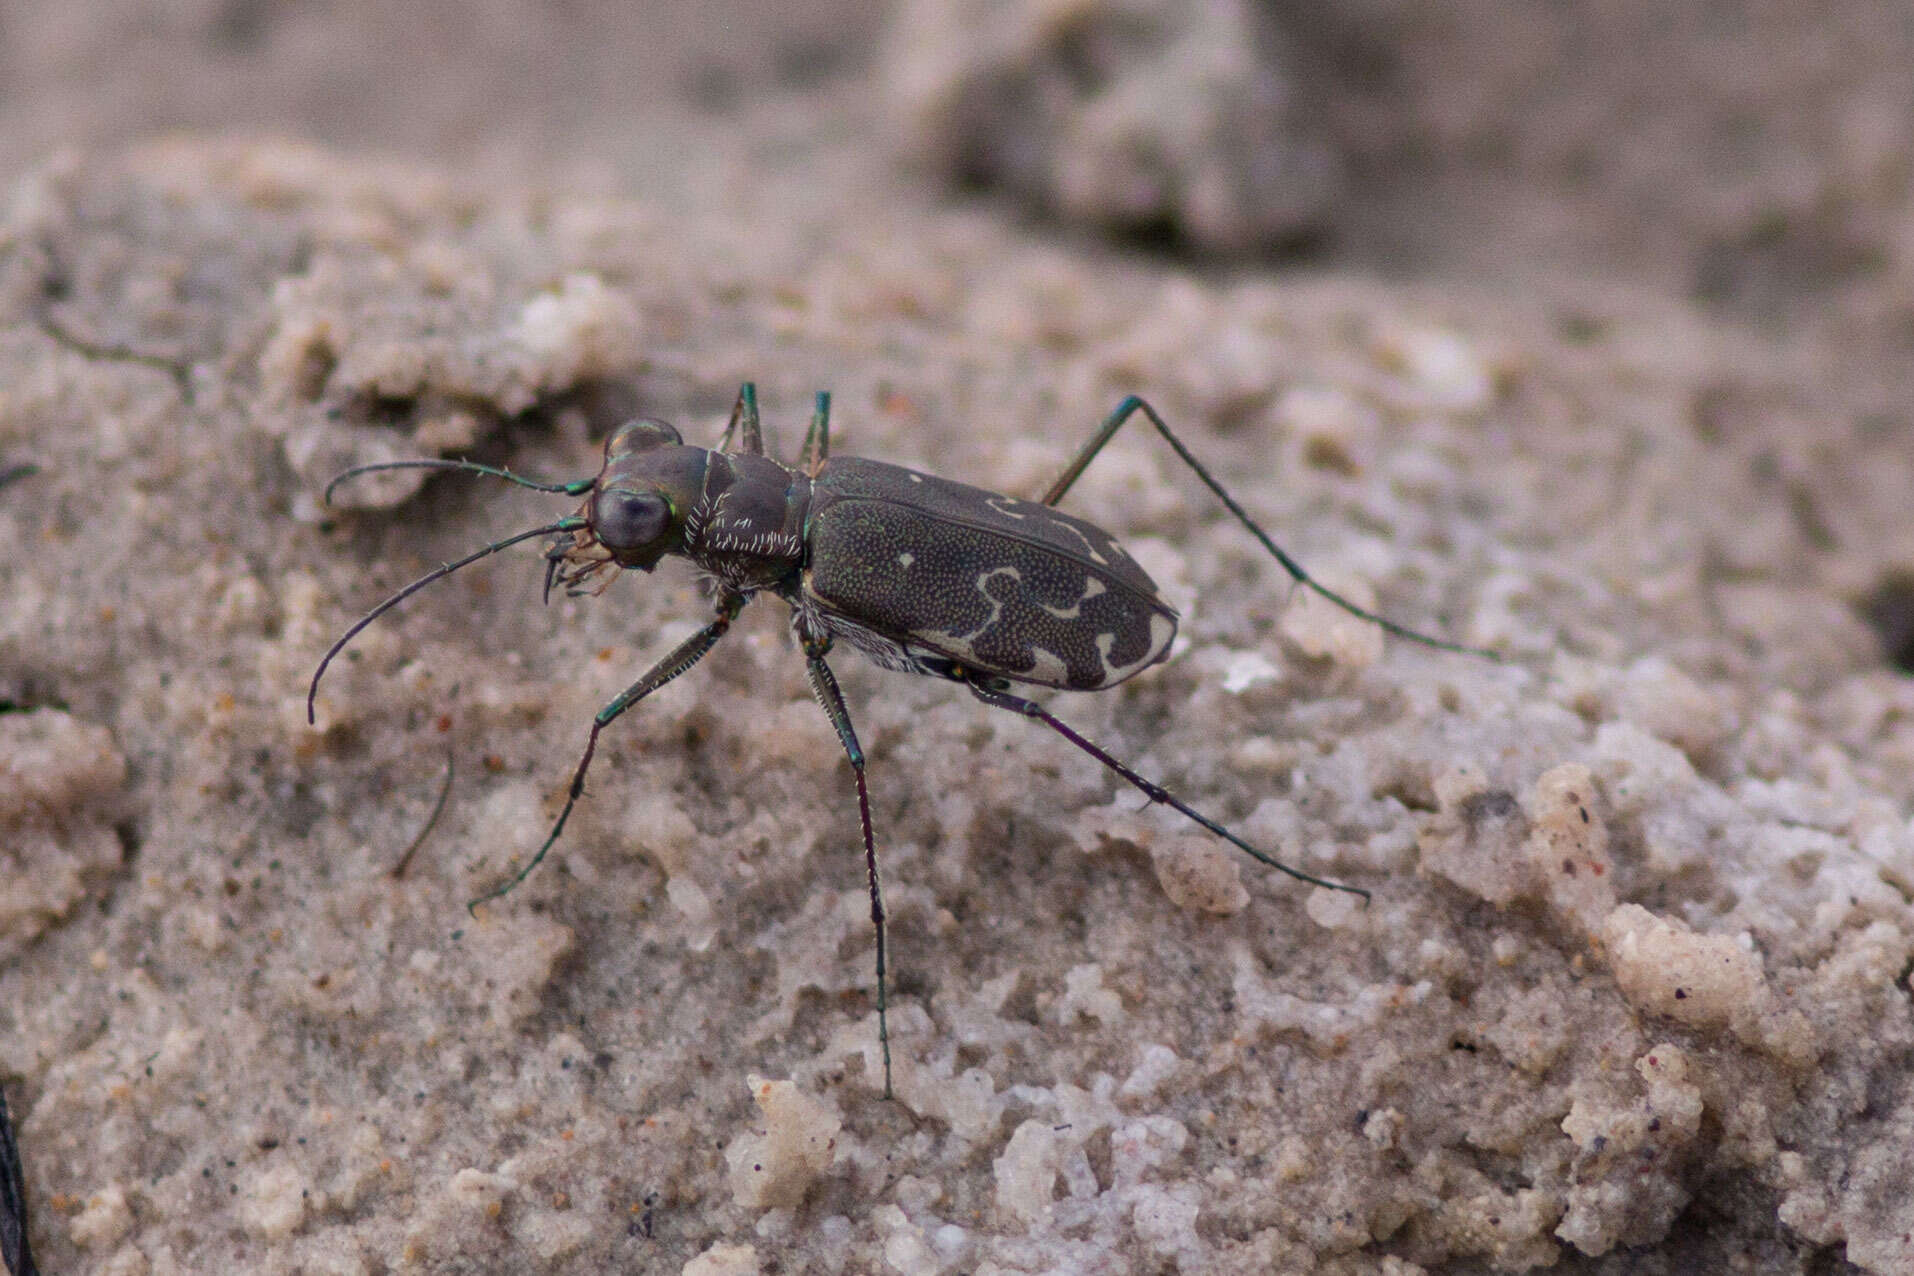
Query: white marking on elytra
[[996, 608], [1090, 549], [1047, 668], [1162, 633], [905, 560], [1091, 588], [984, 579]]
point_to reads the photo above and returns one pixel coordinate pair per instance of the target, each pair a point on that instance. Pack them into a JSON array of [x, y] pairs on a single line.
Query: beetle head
[[636, 513]]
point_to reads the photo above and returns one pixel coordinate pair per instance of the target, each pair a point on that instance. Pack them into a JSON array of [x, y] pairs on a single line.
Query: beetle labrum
[[920, 574]]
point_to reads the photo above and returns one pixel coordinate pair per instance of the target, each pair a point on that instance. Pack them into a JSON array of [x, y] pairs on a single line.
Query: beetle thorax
[[747, 526]]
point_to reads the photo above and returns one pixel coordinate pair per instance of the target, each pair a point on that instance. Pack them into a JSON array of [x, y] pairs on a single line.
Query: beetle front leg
[[998, 698], [824, 688], [682, 657]]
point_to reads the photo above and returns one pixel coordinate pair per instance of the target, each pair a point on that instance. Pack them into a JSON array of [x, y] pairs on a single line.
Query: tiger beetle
[[920, 574]]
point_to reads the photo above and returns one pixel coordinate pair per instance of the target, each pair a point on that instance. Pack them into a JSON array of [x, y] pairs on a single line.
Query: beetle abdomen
[[1005, 586]]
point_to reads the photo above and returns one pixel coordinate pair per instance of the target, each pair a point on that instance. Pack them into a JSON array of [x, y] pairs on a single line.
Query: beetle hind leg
[[998, 698], [1131, 407]]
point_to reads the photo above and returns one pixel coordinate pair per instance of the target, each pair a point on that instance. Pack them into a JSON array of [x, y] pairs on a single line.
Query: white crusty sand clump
[[1704, 981], [60, 781], [773, 1168]]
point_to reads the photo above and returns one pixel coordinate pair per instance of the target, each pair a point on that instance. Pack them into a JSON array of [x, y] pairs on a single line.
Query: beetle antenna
[[577, 487], [438, 573]]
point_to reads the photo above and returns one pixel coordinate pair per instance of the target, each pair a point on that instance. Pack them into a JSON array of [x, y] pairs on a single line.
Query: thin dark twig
[[15, 1248], [438, 809]]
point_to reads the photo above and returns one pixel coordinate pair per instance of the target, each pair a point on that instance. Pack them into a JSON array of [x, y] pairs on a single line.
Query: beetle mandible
[[920, 574]]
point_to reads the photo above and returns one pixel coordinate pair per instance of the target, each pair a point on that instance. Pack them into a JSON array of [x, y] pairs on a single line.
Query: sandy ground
[[1560, 371]]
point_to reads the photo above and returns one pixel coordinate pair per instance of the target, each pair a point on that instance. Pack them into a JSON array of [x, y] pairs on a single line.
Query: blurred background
[[1753, 157]]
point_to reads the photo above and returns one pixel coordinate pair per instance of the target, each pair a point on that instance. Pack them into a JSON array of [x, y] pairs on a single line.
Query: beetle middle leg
[[1133, 405], [745, 421], [682, 657], [817, 440], [995, 696], [824, 688]]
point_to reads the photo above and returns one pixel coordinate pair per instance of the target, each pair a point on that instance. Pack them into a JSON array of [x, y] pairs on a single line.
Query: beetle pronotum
[[920, 574]]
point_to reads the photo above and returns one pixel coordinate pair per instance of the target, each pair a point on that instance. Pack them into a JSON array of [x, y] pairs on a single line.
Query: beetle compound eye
[[641, 435], [626, 521]]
